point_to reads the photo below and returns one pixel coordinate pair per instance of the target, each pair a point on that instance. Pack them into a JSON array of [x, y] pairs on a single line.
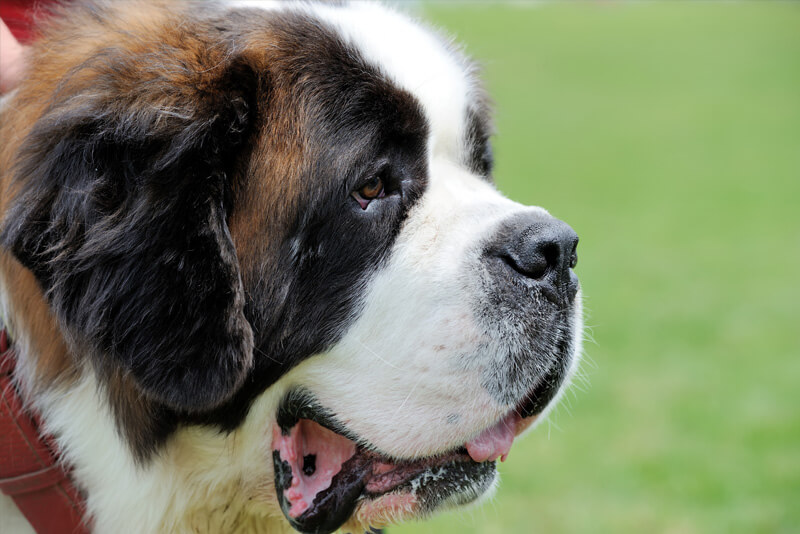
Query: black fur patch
[[121, 215]]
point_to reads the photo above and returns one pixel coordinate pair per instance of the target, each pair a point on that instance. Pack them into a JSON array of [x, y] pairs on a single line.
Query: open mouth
[[323, 473]]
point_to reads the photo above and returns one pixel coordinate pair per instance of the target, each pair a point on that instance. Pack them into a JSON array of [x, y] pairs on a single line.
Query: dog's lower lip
[[344, 473]]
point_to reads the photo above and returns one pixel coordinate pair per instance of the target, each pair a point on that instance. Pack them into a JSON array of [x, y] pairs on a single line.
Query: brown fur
[[53, 363]]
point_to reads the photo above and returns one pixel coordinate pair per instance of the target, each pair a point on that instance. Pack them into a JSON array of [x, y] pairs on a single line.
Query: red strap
[[35, 481], [20, 17], [29, 469]]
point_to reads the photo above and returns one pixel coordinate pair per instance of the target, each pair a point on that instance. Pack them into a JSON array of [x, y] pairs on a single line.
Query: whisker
[[378, 356], [408, 396]]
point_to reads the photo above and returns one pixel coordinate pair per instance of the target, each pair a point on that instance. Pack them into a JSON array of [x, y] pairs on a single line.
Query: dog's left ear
[[123, 194]]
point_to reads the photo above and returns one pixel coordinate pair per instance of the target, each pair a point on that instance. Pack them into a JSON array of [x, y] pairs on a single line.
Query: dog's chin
[[326, 477]]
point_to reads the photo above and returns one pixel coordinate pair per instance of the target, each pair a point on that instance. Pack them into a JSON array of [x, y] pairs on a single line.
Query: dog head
[[281, 222]]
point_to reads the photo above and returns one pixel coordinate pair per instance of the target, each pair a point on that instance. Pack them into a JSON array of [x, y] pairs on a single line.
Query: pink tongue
[[494, 442]]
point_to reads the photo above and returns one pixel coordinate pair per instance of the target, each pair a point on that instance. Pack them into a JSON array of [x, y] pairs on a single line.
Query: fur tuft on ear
[[123, 193]]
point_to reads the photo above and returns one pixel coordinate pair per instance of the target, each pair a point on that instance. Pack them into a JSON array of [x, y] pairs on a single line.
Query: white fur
[[405, 369]]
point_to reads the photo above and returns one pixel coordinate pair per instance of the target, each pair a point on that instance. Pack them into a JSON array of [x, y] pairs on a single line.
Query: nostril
[[536, 259], [551, 252], [532, 267]]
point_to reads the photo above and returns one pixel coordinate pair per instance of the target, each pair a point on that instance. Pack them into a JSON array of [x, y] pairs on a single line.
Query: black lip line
[[301, 404], [406, 484]]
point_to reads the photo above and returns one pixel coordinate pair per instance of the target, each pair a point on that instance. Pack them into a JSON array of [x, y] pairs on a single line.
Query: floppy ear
[[123, 195]]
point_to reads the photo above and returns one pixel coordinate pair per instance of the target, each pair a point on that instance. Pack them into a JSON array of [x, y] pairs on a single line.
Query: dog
[[256, 272]]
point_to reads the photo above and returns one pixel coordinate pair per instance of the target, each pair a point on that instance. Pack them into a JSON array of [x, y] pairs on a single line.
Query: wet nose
[[542, 250]]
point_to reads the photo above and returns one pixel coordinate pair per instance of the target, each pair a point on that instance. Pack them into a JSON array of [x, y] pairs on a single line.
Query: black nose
[[543, 250]]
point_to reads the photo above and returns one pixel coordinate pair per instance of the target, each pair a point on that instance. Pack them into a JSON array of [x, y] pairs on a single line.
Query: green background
[[668, 135]]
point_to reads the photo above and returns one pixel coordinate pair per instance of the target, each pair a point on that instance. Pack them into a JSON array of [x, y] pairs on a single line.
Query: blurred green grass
[[668, 135]]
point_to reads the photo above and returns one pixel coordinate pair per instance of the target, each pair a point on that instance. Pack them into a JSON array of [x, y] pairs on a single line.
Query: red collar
[[30, 471]]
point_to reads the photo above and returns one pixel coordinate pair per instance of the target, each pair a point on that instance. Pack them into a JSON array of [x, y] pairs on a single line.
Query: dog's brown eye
[[372, 190]]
